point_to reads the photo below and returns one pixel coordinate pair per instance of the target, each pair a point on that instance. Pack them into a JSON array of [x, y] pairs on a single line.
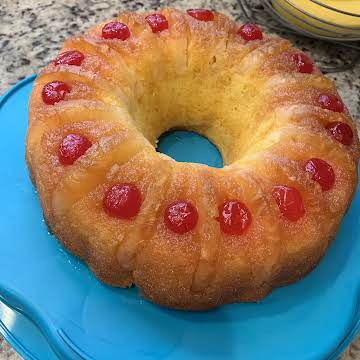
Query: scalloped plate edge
[[46, 326], [15, 343]]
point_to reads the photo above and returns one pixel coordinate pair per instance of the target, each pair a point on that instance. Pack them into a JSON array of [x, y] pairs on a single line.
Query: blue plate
[[23, 335], [82, 318]]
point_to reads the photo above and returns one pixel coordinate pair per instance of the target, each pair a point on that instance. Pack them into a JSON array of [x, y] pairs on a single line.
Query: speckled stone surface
[[31, 33]]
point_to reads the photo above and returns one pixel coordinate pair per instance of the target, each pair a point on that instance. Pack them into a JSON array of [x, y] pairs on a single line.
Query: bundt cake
[[187, 235]]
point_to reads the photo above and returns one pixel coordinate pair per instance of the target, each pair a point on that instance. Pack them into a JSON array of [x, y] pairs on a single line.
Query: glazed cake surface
[[190, 236]]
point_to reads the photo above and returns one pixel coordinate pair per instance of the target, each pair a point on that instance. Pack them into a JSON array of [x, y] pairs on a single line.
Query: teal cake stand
[[53, 307]]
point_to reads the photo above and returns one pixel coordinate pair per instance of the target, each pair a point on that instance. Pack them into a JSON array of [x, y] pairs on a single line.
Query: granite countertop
[[31, 33]]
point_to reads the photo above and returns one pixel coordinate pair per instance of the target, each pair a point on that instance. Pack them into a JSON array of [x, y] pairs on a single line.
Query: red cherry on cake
[[234, 217], [181, 217], [303, 63], [321, 172], [115, 30], [341, 132], [250, 32], [72, 57], [122, 201], [201, 14], [331, 102], [289, 202], [72, 147], [54, 91], [157, 22]]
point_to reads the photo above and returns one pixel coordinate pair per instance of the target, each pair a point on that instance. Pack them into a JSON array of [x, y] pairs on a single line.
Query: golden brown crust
[[247, 98]]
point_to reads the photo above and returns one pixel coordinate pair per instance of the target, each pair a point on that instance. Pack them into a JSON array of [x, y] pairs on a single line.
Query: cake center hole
[[188, 146]]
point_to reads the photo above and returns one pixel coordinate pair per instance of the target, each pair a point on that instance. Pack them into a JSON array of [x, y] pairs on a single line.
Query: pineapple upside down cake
[[187, 235]]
